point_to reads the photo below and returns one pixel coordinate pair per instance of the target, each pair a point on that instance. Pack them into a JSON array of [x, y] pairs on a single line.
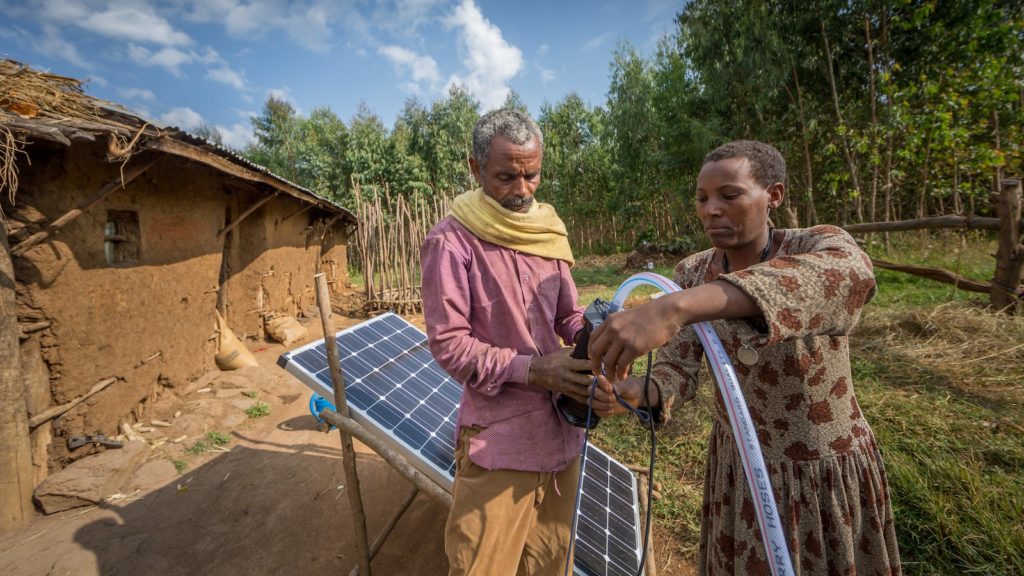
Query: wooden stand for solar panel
[[614, 509], [349, 428]]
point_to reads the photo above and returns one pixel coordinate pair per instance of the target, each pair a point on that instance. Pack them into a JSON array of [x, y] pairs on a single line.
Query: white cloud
[[173, 59], [183, 117], [97, 80], [133, 24], [422, 68], [137, 94], [490, 61], [246, 115], [170, 58], [546, 75], [597, 41], [50, 43], [307, 23], [64, 10], [140, 111], [404, 17], [134, 21], [236, 136], [226, 75]]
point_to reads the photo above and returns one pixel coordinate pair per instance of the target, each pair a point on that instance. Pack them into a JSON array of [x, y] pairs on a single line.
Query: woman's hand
[[625, 335]]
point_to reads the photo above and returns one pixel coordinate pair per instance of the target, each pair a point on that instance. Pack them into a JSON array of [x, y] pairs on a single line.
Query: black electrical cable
[[645, 417]]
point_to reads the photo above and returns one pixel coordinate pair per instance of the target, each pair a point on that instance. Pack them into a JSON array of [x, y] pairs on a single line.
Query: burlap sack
[[285, 329], [231, 352]]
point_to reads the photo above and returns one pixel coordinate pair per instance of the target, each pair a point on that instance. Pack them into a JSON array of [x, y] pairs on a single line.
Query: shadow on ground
[[270, 509]]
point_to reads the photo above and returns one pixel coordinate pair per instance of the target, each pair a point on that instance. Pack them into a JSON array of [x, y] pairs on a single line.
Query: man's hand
[[631, 390], [560, 373]]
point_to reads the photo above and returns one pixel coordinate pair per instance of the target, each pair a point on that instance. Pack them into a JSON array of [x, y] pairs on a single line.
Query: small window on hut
[[121, 237]]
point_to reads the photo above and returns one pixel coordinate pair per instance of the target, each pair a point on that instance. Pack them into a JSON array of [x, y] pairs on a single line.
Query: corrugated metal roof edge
[[228, 154]]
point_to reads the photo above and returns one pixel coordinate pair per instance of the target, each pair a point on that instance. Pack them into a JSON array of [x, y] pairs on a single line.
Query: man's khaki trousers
[[507, 522]]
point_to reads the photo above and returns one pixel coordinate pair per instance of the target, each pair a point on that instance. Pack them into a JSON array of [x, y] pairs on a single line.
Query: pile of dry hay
[[975, 349], [26, 94]]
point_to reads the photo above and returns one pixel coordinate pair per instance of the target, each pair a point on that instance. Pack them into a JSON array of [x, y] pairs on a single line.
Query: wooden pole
[[399, 463], [52, 228], [386, 531], [15, 446], [937, 274], [969, 222], [1010, 255], [52, 413], [243, 215], [296, 212], [355, 497], [650, 565]]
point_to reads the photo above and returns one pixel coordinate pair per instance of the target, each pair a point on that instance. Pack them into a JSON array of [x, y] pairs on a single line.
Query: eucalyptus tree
[[367, 153], [449, 140]]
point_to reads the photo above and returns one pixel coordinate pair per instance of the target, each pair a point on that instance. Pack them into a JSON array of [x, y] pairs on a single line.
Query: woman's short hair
[[767, 165]]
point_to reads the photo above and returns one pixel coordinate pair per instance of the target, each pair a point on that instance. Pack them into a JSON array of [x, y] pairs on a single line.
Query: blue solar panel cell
[[393, 385]]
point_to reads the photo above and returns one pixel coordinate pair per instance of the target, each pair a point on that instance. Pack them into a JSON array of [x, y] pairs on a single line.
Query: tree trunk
[[888, 185], [1010, 255], [922, 198], [874, 119], [998, 176], [15, 445], [812, 214], [847, 152]]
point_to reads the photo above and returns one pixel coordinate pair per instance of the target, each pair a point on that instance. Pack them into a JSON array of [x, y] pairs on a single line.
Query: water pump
[[574, 411]]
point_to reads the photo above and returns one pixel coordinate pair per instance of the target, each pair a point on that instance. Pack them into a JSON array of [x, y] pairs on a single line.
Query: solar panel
[[393, 386]]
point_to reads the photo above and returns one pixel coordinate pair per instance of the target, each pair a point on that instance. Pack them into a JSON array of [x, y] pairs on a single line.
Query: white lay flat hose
[[754, 469]]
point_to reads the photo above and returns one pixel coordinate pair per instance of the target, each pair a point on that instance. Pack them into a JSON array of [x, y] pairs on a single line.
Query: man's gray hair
[[513, 124]]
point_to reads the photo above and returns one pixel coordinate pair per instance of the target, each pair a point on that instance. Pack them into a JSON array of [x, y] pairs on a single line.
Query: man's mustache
[[516, 202]]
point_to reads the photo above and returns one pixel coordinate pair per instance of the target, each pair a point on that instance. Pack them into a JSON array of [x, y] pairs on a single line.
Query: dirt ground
[[274, 503]]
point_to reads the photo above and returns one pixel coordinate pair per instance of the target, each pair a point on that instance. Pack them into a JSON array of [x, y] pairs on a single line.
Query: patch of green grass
[[251, 394], [218, 438], [682, 446], [211, 439], [355, 277], [180, 466], [601, 281], [258, 410], [956, 472], [968, 255]]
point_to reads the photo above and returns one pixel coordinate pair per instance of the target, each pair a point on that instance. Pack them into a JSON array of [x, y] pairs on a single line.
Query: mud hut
[[121, 241]]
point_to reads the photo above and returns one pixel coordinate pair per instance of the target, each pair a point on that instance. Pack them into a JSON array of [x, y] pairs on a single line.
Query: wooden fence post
[[1010, 255], [348, 455], [15, 445]]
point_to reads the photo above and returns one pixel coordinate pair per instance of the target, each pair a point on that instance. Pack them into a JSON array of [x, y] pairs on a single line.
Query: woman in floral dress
[[783, 303]]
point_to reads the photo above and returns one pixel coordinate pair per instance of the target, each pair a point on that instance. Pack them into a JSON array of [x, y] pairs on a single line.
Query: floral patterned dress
[[826, 471]]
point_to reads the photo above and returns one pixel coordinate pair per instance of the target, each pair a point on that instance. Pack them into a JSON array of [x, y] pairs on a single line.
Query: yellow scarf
[[538, 231]]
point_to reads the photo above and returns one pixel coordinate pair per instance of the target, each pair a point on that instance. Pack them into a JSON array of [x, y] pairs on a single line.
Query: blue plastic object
[[318, 403]]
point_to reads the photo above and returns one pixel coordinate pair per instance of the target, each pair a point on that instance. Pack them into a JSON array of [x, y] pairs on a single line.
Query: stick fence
[[391, 230]]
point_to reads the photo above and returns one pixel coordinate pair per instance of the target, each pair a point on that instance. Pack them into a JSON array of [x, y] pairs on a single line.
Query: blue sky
[[182, 62]]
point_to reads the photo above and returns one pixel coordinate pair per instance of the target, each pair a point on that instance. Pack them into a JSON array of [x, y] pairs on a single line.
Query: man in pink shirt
[[499, 303]]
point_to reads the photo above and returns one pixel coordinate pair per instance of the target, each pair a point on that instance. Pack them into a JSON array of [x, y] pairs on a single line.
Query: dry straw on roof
[[30, 93], [27, 94]]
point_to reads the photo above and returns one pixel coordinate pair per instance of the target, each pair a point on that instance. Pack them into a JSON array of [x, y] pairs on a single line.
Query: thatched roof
[[36, 105]]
